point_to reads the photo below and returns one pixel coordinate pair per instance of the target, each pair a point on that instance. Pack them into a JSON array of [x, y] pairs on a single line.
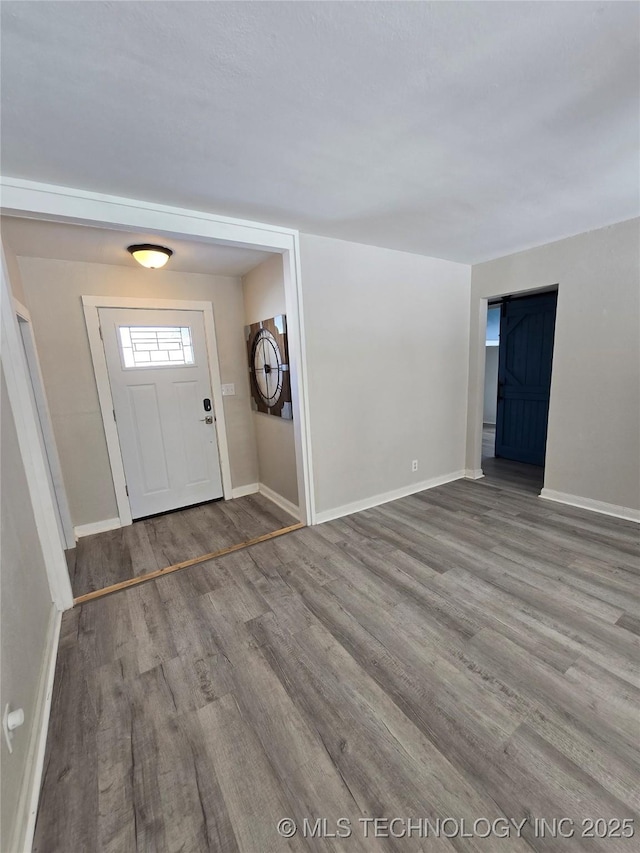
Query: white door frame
[[475, 414], [14, 364], [63, 204], [44, 417], [91, 306]]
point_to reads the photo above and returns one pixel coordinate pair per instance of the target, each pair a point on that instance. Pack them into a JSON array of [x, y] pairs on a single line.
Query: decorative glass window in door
[[156, 346]]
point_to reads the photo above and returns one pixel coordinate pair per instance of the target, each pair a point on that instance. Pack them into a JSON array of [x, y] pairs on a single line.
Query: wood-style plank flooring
[[506, 472], [468, 652], [108, 558]]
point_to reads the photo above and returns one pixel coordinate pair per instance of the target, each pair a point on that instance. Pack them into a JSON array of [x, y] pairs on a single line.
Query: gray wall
[[593, 444], [53, 291], [264, 297], [25, 612], [490, 385], [387, 352]]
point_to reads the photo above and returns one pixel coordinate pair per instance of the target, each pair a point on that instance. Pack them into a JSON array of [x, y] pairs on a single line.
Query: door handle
[[207, 420]]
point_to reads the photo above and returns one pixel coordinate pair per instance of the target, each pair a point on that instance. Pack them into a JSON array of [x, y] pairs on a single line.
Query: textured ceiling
[[458, 130], [64, 242]]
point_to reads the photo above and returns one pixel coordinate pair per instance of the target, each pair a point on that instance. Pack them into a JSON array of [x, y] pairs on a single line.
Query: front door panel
[[159, 376]]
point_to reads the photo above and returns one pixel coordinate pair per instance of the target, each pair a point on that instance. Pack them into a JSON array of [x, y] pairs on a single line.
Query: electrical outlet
[[414, 465]]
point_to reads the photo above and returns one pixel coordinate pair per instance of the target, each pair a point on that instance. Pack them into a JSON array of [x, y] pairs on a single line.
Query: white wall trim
[[17, 378], [473, 473], [146, 302], [477, 367], [64, 204], [27, 809], [21, 310], [91, 306], [277, 499], [96, 527], [49, 201], [376, 500], [625, 512], [296, 339], [99, 361], [44, 416], [241, 491]]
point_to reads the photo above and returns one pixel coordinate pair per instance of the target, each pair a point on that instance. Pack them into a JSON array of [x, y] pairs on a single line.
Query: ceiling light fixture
[[150, 256]]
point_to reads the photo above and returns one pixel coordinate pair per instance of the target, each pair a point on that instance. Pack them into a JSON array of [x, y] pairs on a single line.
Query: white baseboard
[[376, 500], [241, 491], [96, 527], [473, 474], [595, 506], [277, 499], [27, 809]]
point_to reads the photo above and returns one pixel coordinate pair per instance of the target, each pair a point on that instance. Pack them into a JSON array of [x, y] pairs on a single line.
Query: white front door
[[163, 407]]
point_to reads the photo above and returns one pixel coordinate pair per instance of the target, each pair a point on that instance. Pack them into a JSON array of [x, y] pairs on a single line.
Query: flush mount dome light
[[150, 256]]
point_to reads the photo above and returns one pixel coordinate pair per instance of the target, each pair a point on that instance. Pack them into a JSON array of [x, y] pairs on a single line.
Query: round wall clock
[[269, 367]]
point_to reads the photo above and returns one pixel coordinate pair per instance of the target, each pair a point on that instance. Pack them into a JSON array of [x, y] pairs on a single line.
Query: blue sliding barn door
[[524, 377]]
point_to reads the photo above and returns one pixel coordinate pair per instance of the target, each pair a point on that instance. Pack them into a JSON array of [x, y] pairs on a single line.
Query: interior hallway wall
[[490, 385], [593, 442], [264, 297], [26, 612], [26, 608], [387, 354], [53, 291]]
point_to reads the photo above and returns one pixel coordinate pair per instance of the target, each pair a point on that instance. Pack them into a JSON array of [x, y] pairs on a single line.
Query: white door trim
[[299, 373], [63, 204], [90, 305], [15, 370], [44, 416], [476, 411]]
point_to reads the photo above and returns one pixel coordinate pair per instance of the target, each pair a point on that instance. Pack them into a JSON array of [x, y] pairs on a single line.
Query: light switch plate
[[229, 390]]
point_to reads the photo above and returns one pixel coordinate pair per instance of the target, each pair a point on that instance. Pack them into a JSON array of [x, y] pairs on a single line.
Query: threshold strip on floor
[[158, 573]]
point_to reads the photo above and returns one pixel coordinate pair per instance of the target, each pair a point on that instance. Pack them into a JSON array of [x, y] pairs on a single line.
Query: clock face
[[269, 367]]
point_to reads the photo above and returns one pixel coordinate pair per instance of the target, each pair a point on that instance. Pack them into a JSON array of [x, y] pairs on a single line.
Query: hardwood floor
[[108, 558], [469, 652], [488, 441], [505, 472]]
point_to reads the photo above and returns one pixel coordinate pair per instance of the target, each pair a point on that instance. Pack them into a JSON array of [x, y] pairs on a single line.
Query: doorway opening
[[170, 463], [517, 386], [167, 409], [162, 369]]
